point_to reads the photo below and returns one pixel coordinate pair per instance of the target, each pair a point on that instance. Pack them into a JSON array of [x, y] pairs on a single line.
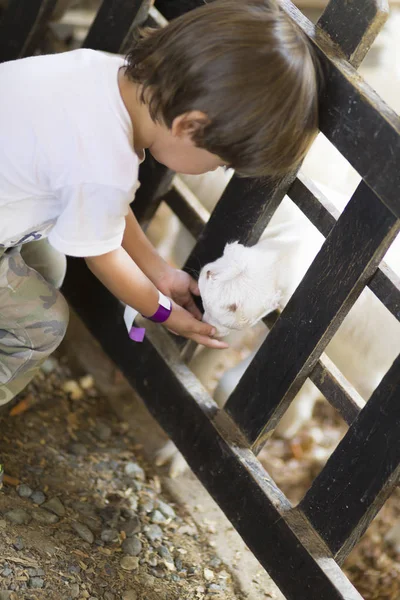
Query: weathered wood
[[155, 180], [355, 119], [170, 9], [354, 25], [114, 23], [213, 446], [242, 214], [336, 389], [349, 255], [361, 473], [187, 207], [323, 214], [21, 24]]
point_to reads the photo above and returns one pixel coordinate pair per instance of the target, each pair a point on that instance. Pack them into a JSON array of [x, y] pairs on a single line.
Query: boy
[[231, 83]]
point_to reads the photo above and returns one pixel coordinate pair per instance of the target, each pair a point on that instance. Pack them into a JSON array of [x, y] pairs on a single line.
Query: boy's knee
[[51, 326]]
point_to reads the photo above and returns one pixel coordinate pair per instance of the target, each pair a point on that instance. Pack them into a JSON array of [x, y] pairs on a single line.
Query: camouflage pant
[[33, 314]]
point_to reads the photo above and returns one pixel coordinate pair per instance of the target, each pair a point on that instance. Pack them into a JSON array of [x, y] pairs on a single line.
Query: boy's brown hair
[[249, 68]]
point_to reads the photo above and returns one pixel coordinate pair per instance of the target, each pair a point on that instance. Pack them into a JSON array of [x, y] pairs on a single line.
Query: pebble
[[152, 560], [102, 432], [83, 531], [157, 517], [6, 572], [158, 572], [135, 471], [44, 517], [55, 506], [73, 389], [175, 577], [132, 546], [130, 563], [165, 553], [24, 491], [110, 515], [153, 532], [215, 562], [109, 596], [38, 498], [208, 574], [49, 365], [3, 524], [129, 595], [214, 588], [166, 509], [35, 572], [178, 564], [86, 382], [133, 501], [109, 535], [18, 516], [19, 543], [78, 449], [132, 526], [147, 505], [36, 583]]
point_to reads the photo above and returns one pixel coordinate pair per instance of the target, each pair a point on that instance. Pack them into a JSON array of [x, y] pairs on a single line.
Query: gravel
[[153, 532], [38, 497], [131, 526], [36, 583], [109, 535], [24, 491], [130, 563], [55, 506], [18, 516], [134, 470], [83, 531], [132, 546], [44, 517]]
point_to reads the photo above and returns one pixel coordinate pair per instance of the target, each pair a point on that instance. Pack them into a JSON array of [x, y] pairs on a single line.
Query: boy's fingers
[[192, 308], [204, 329], [194, 287], [210, 342]]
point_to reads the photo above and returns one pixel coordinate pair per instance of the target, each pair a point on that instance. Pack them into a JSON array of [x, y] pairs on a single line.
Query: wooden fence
[[301, 548]]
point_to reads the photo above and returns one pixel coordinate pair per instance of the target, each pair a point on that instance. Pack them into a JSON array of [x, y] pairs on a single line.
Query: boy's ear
[[189, 123]]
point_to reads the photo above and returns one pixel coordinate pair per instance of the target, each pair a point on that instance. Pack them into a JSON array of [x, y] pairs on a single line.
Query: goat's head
[[239, 288]]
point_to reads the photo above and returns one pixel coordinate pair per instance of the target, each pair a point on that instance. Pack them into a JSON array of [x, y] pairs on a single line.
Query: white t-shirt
[[68, 169]]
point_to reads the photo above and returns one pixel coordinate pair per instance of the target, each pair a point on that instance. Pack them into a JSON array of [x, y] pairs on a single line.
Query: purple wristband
[[163, 311]]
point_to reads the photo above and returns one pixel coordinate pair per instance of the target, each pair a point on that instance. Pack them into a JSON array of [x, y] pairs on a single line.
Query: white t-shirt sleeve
[[92, 221]]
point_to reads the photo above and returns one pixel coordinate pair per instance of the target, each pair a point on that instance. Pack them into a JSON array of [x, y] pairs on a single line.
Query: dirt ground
[[106, 530]]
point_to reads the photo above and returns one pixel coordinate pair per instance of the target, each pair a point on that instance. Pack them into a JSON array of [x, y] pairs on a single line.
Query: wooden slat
[[361, 473], [113, 24], [354, 25], [349, 255], [242, 214], [187, 207], [171, 9], [213, 446], [323, 215], [20, 25], [155, 180], [336, 389], [355, 119]]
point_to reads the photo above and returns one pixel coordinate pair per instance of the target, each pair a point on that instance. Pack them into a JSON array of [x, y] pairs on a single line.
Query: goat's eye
[[208, 274]]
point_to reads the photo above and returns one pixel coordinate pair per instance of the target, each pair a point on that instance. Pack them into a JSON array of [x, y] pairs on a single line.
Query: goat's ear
[[230, 246]]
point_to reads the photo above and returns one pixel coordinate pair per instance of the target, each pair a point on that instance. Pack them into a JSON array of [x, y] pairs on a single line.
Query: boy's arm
[[172, 282], [119, 273]]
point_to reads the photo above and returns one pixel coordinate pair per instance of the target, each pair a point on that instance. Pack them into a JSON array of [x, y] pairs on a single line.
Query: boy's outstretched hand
[[185, 319], [179, 286], [183, 323]]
